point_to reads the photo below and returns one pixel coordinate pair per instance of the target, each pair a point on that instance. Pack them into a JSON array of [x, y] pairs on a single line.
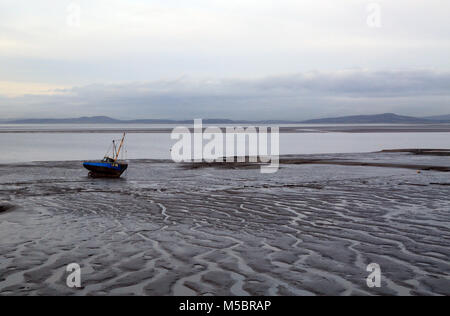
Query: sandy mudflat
[[164, 229]]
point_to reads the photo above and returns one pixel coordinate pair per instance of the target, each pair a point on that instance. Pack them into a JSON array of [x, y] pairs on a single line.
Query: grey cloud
[[297, 96], [357, 83], [363, 83]]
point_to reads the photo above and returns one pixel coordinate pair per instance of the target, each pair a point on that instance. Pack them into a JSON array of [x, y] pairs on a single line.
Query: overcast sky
[[248, 59]]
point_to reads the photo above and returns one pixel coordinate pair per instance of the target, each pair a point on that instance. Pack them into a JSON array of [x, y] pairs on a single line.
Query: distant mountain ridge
[[79, 120], [386, 118], [109, 120], [371, 119]]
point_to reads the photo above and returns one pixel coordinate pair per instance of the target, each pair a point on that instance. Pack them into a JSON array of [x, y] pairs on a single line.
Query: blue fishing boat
[[109, 167]]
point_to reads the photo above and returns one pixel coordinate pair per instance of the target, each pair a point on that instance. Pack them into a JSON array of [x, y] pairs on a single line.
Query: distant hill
[[386, 118], [108, 120], [389, 118], [80, 120]]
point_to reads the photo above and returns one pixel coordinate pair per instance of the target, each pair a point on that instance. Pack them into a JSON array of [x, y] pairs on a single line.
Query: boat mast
[[120, 148], [114, 148]]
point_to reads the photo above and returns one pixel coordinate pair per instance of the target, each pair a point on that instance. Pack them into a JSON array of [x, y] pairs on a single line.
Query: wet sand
[[169, 230], [339, 160]]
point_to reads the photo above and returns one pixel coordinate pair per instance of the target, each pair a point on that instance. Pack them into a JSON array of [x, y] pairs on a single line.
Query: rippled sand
[[169, 230]]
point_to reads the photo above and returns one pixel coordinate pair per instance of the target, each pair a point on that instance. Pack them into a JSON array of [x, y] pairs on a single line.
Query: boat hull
[[105, 169]]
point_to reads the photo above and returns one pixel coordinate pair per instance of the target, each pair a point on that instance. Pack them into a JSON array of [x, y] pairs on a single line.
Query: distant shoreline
[[330, 128], [385, 118]]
